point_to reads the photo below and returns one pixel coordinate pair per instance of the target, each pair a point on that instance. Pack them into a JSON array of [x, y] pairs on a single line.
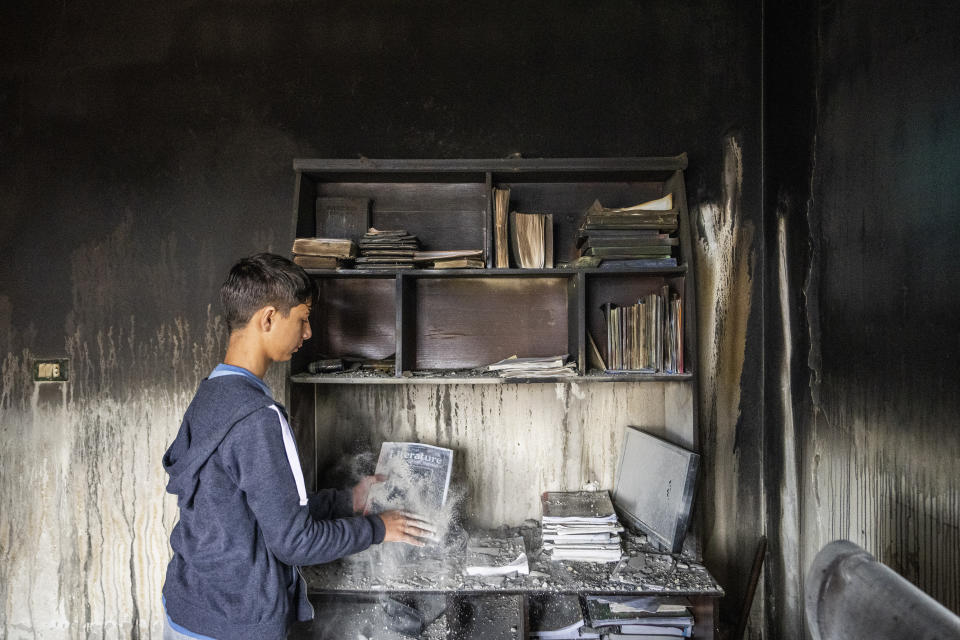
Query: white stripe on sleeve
[[292, 458]]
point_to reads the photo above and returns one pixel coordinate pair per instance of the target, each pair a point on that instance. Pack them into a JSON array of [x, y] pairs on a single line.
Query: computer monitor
[[654, 487]]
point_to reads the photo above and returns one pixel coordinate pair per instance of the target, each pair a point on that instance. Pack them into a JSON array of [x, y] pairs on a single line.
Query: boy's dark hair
[[261, 280]]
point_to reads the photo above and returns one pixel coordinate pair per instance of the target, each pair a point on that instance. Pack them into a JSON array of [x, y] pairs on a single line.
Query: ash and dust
[[394, 591], [408, 489], [439, 600], [407, 568]]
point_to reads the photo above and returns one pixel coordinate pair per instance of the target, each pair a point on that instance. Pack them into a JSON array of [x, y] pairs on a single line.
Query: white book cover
[[417, 478]]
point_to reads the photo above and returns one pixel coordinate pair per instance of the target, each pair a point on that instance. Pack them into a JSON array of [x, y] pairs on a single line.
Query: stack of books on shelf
[[451, 259], [323, 253], [650, 617], [580, 526], [531, 239], [640, 236], [387, 249], [646, 337], [541, 367]]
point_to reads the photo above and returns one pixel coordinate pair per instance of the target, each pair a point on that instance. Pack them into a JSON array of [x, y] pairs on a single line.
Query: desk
[[400, 569]]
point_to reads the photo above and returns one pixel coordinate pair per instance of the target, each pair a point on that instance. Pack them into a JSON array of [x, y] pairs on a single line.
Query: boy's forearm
[[320, 541], [331, 503]]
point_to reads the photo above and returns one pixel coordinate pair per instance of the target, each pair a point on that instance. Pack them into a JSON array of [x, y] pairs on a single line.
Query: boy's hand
[[403, 526], [362, 490]]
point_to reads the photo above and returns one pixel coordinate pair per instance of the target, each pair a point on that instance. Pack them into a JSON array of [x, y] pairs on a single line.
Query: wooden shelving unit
[[443, 326], [442, 320]]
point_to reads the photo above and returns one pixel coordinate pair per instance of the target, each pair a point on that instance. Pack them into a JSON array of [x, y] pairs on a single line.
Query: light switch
[[52, 370]]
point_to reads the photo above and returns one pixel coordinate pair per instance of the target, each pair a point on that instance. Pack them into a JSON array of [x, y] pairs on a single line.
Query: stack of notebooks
[[580, 526], [649, 617], [450, 259], [387, 249], [646, 337], [544, 367], [323, 253], [640, 236]]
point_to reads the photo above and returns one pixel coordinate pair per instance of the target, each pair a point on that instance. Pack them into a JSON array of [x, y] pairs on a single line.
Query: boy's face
[[288, 333]]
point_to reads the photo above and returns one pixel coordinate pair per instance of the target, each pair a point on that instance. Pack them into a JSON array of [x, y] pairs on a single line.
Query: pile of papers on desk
[[496, 557], [580, 526], [649, 617]]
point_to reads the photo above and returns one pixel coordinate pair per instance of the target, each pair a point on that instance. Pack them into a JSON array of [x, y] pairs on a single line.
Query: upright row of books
[[528, 237], [647, 336]]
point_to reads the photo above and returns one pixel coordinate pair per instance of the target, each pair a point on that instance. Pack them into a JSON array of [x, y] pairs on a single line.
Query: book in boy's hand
[[417, 478]]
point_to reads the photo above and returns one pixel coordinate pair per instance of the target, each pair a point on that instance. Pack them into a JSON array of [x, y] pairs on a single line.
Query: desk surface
[[394, 567]]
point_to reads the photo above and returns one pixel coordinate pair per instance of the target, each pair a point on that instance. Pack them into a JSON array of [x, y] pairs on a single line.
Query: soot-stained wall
[[863, 150], [147, 147]]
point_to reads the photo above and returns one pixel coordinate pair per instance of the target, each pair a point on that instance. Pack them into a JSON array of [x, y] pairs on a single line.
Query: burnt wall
[[148, 146], [863, 342]]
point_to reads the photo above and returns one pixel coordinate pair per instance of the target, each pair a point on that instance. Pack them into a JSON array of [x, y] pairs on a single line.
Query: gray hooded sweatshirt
[[246, 521]]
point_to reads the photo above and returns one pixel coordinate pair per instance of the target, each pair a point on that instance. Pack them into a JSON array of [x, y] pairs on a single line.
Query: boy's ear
[[266, 317]]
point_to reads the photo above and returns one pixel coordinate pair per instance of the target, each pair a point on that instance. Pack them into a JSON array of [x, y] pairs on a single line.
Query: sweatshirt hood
[[220, 403]]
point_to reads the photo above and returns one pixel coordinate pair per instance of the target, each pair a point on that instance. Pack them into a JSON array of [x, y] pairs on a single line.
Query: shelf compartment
[[624, 289], [352, 317], [569, 201], [442, 215], [466, 322]]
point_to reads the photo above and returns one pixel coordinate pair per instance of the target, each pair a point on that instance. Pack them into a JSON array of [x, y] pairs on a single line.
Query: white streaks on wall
[[724, 272], [86, 519], [512, 441], [789, 543]]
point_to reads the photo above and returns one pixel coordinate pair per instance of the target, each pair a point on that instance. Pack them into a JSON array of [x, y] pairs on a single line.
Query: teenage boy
[[246, 520]]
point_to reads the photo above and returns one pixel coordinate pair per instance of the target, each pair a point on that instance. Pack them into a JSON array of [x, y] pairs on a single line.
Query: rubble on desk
[[395, 567], [661, 572], [442, 568]]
